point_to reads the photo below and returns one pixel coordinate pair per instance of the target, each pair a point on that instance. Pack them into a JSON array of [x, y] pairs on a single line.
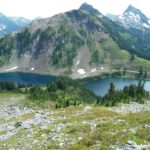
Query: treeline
[[7, 86], [11, 86], [129, 93], [65, 92]]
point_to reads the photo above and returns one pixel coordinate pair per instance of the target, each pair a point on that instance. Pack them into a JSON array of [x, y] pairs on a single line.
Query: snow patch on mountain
[[12, 68], [78, 62], [121, 17], [134, 17], [81, 71], [2, 27], [93, 70], [130, 16], [146, 25], [32, 69]]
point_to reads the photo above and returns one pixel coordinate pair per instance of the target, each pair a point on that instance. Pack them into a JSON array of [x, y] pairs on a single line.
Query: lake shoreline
[[101, 85], [105, 75], [82, 80], [98, 84]]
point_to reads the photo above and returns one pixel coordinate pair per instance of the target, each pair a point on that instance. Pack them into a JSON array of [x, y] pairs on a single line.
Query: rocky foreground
[[126, 127]]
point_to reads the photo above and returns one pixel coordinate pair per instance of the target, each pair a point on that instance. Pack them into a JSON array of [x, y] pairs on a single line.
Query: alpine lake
[[99, 86]]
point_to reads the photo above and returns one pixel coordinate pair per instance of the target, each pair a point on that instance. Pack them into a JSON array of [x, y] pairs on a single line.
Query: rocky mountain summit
[[134, 18], [90, 9]]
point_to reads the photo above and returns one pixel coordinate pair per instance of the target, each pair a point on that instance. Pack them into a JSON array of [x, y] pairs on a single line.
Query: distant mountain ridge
[[6, 25], [111, 16], [20, 21], [10, 24]]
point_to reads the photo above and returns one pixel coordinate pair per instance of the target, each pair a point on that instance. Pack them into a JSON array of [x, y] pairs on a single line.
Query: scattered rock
[[80, 138], [91, 123], [35, 142], [45, 126], [87, 108], [62, 144], [146, 126], [131, 145], [132, 107], [133, 130]]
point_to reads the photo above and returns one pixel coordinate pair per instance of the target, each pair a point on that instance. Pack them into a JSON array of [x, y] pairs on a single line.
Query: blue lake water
[[26, 78], [99, 86]]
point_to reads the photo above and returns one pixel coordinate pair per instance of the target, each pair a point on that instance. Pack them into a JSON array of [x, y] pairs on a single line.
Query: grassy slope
[[98, 128], [120, 58]]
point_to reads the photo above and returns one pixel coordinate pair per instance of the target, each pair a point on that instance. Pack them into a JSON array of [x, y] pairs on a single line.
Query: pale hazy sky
[[46, 8]]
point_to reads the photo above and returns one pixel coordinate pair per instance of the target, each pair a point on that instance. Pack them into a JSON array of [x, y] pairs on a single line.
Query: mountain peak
[[133, 10], [85, 5], [130, 7], [90, 9], [134, 17]]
